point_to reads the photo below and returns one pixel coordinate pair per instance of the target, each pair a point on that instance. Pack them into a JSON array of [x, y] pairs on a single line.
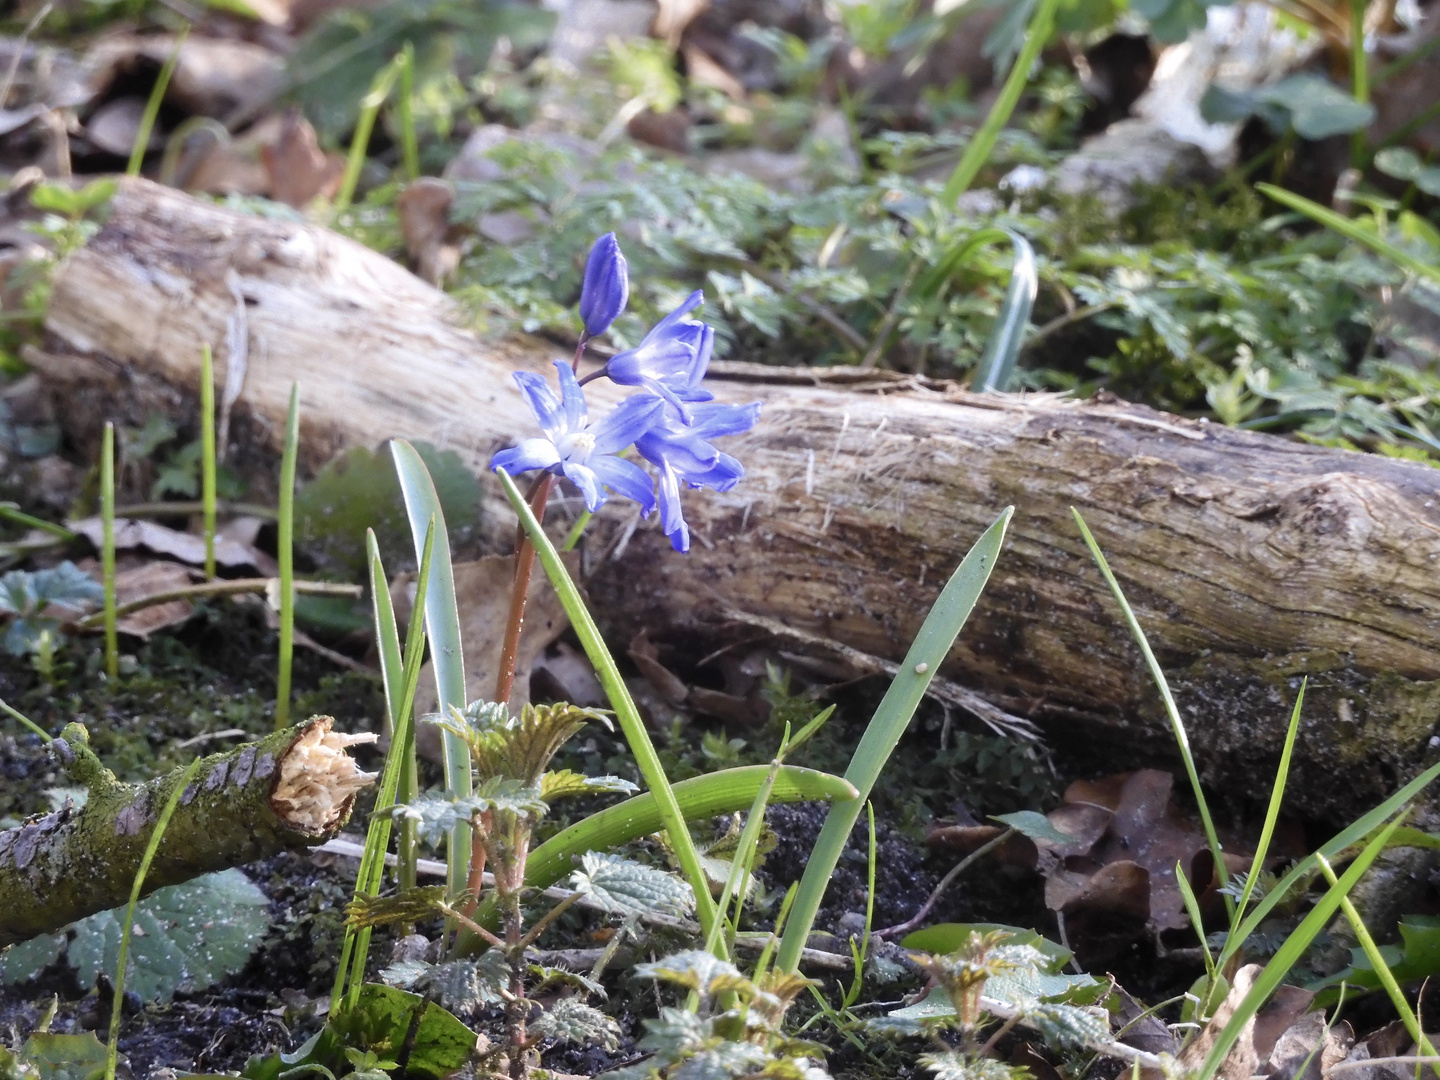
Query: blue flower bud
[[606, 287]]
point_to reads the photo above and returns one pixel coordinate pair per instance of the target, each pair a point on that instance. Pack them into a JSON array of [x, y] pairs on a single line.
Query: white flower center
[[578, 447]]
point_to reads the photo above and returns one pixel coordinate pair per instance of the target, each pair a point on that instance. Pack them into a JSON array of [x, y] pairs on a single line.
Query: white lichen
[[318, 779]]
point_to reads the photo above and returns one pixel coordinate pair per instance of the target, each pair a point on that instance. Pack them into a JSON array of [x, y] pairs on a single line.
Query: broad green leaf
[[947, 937], [627, 887], [726, 792], [21, 963], [442, 629], [1035, 825], [383, 1020], [188, 936], [65, 1057], [565, 782]]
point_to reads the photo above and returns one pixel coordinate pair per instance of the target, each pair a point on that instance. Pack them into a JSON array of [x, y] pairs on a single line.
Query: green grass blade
[[725, 792], [285, 556], [1007, 336], [117, 1007], [1289, 954], [1301, 871], [625, 711], [207, 455], [956, 256], [152, 106], [409, 143], [1192, 908], [976, 154], [1272, 812], [891, 718], [1177, 725], [1351, 230], [24, 721], [1382, 969], [400, 682], [11, 512], [107, 548], [370, 104], [442, 626]]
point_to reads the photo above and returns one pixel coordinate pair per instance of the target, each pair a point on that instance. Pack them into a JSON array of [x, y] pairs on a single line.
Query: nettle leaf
[[627, 887], [953, 1065], [570, 1020], [1068, 1025], [410, 905], [435, 815], [693, 969], [725, 1061], [559, 784], [675, 1031], [546, 977], [515, 747], [466, 985], [187, 937], [21, 963]]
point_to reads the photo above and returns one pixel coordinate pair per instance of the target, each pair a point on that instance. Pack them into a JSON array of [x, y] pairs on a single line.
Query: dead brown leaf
[[299, 170], [646, 657], [138, 534], [1242, 1061], [424, 212], [151, 579]]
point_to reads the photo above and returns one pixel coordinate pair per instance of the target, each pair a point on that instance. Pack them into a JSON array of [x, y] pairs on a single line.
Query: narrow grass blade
[[207, 455], [1192, 908], [1306, 867], [1382, 969], [978, 151], [20, 718], [891, 718], [409, 143], [11, 512], [401, 676], [956, 256], [626, 713], [117, 1007], [107, 548], [1177, 725], [1359, 76], [285, 556], [725, 792], [1272, 812], [737, 881], [1351, 230], [1289, 954], [370, 104], [1007, 336], [442, 626], [152, 106], [853, 994]]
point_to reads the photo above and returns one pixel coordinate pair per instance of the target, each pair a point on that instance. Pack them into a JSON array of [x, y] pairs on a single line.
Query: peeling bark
[[292, 789], [1251, 560]]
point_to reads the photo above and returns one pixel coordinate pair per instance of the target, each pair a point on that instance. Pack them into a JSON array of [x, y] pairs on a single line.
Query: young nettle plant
[[513, 791]]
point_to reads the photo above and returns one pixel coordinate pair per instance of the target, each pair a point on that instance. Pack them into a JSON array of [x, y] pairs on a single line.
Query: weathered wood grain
[[1251, 560]]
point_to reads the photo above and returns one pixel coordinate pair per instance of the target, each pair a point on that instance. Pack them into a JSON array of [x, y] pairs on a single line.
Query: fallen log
[[1251, 560], [292, 789]]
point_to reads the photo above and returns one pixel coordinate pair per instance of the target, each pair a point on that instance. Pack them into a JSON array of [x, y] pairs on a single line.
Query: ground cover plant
[[591, 920]]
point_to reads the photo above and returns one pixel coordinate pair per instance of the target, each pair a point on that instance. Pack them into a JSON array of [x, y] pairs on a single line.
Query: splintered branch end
[[318, 779]]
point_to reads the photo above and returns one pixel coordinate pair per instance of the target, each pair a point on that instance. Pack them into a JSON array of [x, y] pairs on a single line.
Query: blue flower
[[671, 359], [606, 286], [582, 452], [682, 452]]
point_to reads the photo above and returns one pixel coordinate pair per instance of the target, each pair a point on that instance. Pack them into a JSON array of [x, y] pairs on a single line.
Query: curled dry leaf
[[133, 534], [149, 579], [424, 212]]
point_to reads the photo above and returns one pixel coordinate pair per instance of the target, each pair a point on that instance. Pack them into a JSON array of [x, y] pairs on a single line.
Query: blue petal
[[572, 398], [703, 350], [691, 302], [584, 478], [721, 476], [543, 403], [672, 517], [530, 454], [627, 479], [627, 422], [606, 286], [717, 421], [678, 448]]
